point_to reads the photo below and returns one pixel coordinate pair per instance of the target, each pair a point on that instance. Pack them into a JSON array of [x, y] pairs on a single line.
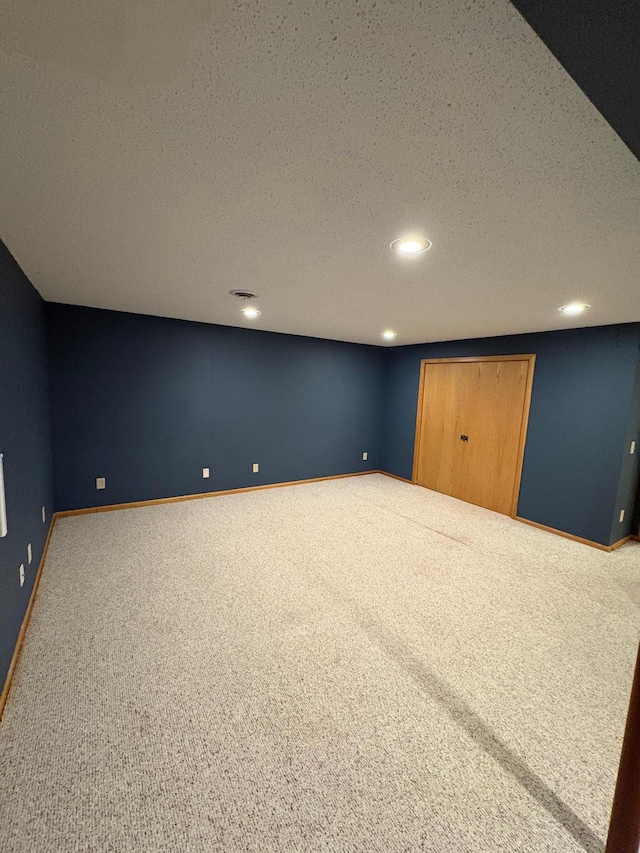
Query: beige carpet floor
[[355, 665]]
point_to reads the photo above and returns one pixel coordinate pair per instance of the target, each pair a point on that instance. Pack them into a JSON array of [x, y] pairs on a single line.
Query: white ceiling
[[155, 154]]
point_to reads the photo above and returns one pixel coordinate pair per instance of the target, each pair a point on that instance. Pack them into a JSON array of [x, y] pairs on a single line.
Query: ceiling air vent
[[244, 294]]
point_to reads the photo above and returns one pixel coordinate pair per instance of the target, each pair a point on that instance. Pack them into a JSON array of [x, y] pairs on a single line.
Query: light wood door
[[471, 429]]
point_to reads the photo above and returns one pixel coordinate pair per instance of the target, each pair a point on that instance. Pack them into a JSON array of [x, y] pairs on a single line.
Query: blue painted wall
[[628, 482], [148, 402], [25, 441], [580, 415]]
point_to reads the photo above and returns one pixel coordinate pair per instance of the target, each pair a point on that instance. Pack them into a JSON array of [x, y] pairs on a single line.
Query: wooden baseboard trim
[[620, 542], [566, 535], [156, 501], [25, 621], [396, 477]]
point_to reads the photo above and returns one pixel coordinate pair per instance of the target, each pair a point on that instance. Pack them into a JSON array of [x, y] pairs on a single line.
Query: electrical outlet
[[101, 483], [29, 553], [621, 519], [22, 574], [256, 467], [365, 456], [44, 514], [205, 473], [633, 448]]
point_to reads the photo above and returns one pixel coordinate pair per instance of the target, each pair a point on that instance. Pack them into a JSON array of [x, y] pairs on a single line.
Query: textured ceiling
[[155, 154]]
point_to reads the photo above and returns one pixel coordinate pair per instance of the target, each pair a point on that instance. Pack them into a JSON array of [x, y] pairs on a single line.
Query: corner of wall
[[627, 498]]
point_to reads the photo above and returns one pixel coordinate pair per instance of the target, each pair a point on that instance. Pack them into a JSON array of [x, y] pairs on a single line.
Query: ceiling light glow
[[411, 245], [389, 335], [250, 312], [574, 308]]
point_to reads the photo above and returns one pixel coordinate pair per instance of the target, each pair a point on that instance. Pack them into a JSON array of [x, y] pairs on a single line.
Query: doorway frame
[[530, 358]]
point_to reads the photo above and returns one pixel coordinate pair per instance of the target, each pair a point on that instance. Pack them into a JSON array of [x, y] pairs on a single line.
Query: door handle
[[464, 438]]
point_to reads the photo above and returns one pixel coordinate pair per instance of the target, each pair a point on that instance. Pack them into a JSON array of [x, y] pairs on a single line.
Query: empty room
[[319, 426]]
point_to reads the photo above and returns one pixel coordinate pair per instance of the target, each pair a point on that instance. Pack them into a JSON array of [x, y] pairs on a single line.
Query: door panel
[[485, 401], [444, 402]]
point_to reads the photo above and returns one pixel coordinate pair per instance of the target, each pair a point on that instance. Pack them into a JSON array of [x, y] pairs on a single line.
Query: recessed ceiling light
[[250, 312], [574, 308], [411, 245], [389, 335]]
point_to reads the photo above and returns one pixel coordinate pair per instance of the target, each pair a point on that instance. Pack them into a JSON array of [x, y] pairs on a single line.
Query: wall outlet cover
[[256, 467], [101, 483], [21, 574], [365, 456], [205, 473], [44, 514], [621, 516], [29, 553], [633, 448]]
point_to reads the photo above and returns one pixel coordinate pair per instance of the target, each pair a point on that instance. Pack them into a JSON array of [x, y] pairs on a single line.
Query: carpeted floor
[[356, 665]]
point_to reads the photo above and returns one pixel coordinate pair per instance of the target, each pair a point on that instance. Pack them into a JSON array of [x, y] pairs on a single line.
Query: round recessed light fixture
[[411, 245], [251, 312], [574, 308], [389, 335]]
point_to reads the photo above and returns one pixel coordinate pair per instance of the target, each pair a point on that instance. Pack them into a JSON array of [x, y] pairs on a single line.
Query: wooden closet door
[[444, 404], [471, 431]]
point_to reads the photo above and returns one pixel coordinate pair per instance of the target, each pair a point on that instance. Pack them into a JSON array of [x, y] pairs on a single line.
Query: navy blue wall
[[627, 486], [148, 402], [25, 442], [580, 411]]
